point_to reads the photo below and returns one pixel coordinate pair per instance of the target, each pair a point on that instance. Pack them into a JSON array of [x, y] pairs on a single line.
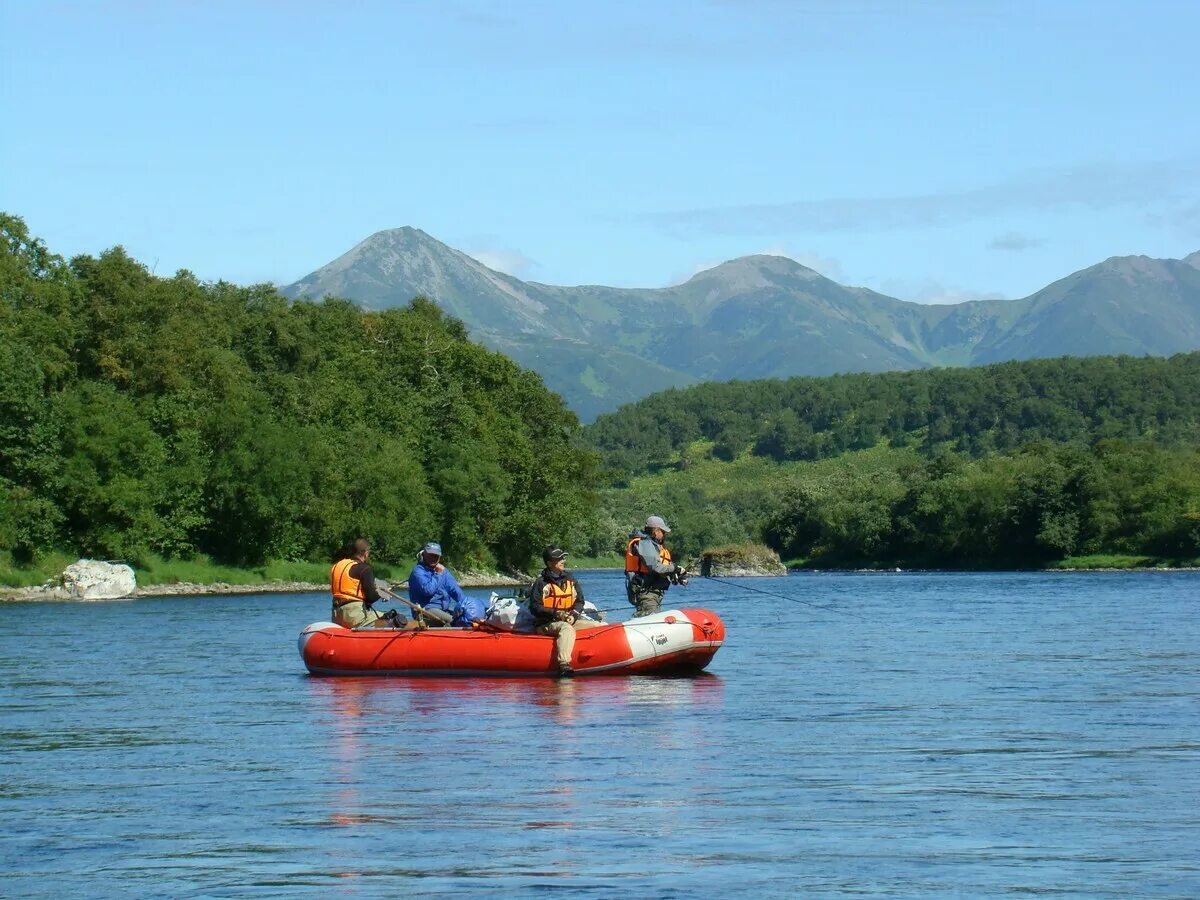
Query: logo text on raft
[[660, 638]]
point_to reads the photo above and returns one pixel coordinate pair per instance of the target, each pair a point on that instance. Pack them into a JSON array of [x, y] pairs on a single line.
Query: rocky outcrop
[[191, 589], [741, 561], [91, 579]]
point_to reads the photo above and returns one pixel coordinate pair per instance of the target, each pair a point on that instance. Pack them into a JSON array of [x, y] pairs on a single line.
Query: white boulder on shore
[[93, 579]]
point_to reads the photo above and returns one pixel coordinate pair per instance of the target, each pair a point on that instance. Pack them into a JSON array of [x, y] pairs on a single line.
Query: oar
[[435, 616]]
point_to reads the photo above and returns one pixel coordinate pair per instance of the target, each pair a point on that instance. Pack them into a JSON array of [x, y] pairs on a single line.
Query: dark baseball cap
[[553, 554]]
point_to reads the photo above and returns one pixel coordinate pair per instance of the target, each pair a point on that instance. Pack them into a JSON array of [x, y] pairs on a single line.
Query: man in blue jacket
[[432, 586]]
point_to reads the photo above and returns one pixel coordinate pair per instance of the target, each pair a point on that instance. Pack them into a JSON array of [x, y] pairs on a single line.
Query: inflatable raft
[[676, 641]]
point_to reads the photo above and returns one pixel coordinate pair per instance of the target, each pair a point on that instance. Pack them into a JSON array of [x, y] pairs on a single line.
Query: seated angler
[[352, 583], [556, 603], [432, 586]]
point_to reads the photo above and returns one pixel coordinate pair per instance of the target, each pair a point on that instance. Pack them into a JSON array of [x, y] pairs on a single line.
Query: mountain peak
[[757, 270], [393, 251], [759, 316], [1133, 268], [404, 236]]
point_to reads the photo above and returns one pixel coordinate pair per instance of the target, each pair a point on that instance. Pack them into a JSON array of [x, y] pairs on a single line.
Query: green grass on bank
[[158, 571], [1117, 561], [201, 570], [36, 574], [155, 570], [1097, 562]]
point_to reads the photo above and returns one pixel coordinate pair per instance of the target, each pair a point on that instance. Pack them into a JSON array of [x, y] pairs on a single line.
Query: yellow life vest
[[345, 588], [559, 596]]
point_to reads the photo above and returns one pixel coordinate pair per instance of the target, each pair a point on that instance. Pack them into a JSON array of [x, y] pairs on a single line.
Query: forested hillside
[[970, 411], [1019, 464], [141, 414]]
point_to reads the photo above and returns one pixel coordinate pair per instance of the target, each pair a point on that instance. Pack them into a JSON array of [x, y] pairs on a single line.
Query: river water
[[926, 734]]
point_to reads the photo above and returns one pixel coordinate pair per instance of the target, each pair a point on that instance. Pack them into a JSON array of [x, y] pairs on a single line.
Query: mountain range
[[760, 317]]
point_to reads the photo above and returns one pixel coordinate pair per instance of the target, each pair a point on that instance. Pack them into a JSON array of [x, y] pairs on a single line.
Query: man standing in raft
[[432, 586], [353, 585], [556, 602], [649, 570]]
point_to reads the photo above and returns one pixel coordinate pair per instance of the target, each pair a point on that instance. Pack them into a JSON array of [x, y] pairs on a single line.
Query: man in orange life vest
[[556, 602], [353, 586], [649, 569]]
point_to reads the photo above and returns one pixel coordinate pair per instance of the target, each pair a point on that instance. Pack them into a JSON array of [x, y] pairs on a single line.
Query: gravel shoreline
[[188, 589]]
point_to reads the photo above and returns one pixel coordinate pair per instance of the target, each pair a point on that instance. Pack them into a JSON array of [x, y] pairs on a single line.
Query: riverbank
[[203, 578], [157, 577], [1095, 563], [221, 588]]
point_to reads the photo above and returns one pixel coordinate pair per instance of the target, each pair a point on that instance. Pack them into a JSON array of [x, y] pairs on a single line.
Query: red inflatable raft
[[674, 641]]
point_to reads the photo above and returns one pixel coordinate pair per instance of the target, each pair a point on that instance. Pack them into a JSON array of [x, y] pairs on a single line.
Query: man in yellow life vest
[[352, 583], [556, 602], [649, 569]]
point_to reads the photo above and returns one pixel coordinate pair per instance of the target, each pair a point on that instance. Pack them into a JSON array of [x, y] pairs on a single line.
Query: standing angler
[[649, 570]]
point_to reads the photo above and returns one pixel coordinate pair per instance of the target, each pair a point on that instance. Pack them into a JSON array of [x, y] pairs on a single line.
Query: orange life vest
[[634, 561], [559, 596], [345, 588]]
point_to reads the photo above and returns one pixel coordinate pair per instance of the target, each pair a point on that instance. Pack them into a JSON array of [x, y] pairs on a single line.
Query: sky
[[934, 150]]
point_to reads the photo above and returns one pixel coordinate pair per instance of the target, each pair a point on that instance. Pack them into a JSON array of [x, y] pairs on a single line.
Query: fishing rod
[[436, 616], [746, 587]]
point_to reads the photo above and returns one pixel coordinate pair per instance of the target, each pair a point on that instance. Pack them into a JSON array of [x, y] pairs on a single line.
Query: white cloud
[[1095, 187], [502, 259], [829, 266], [1014, 241], [929, 290]]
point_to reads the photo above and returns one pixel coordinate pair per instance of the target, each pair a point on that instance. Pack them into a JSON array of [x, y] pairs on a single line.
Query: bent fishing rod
[[746, 587]]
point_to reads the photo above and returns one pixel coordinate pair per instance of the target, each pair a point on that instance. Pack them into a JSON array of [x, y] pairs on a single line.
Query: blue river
[[898, 734]]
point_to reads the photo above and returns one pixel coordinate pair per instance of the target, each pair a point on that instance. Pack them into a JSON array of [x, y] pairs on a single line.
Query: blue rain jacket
[[435, 590]]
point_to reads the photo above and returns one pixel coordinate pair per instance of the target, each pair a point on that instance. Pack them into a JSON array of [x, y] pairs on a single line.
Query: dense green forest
[[147, 415], [975, 411], [1019, 464], [143, 416]]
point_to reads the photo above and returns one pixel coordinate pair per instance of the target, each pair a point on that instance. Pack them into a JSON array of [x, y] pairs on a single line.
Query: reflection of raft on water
[[672, 642]]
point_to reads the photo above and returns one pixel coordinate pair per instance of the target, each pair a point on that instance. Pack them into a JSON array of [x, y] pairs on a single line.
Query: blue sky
[[932, 150]]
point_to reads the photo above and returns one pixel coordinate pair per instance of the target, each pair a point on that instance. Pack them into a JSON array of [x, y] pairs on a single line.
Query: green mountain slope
[[759, 316], [1132, 304]]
